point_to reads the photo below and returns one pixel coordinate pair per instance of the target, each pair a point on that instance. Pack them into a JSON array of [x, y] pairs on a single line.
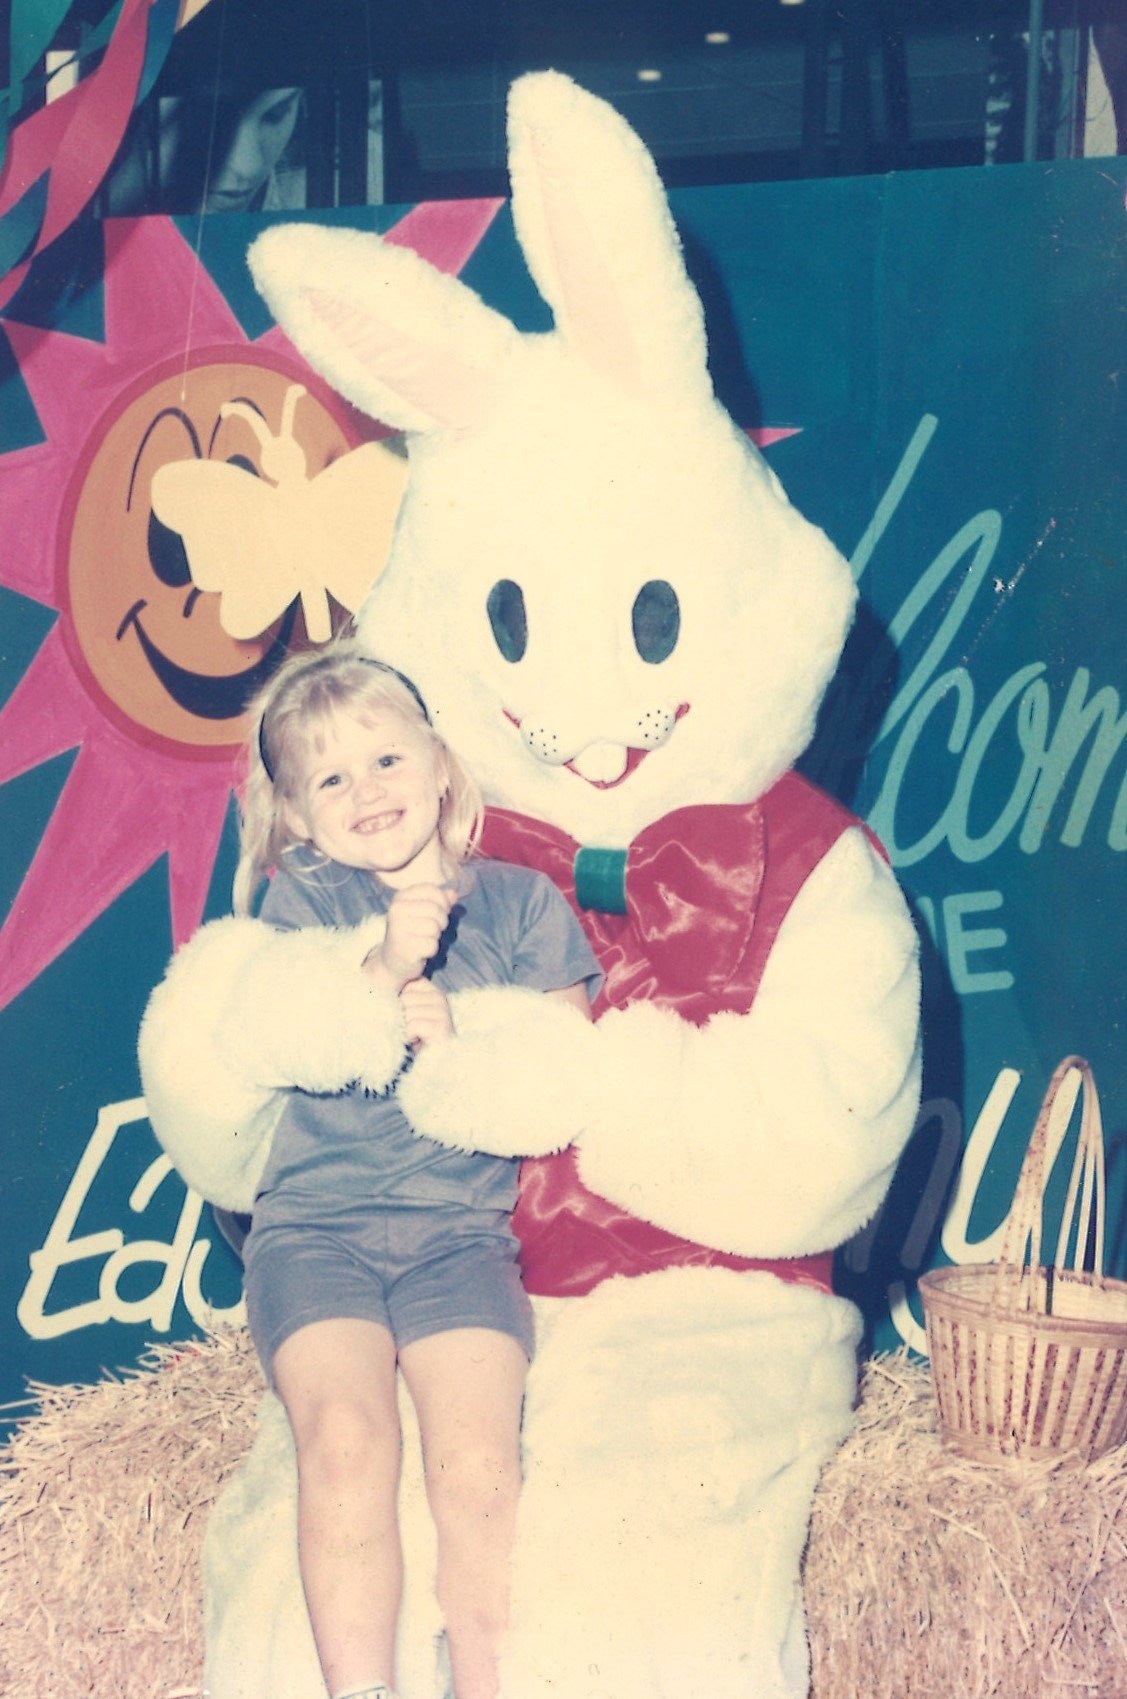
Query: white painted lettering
[[1018, 716], [178, 1263]]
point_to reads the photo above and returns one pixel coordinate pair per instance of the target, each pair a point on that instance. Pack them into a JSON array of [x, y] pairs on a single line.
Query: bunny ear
[[593, 221], [407, 344]]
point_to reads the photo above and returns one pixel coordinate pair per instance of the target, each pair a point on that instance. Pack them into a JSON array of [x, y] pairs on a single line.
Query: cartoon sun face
[[145, 635], [148, 670]]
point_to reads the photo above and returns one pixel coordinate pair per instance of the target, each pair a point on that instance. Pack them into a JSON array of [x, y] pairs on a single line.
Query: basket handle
[[1086, 1189]]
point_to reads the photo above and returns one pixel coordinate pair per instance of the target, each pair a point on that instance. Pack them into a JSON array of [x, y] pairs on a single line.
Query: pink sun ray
[[126, 802], [764, 435]]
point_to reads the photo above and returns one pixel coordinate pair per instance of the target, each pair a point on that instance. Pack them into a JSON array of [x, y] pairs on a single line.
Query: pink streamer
[[75, 138]]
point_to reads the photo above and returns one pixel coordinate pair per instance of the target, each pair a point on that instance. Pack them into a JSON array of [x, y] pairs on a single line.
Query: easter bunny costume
[[617, 617]]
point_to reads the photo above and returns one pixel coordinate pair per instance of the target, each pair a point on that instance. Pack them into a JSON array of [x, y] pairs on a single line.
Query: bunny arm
[[771, 1134], [774, 1133], [245, 1013], [513, 1080]]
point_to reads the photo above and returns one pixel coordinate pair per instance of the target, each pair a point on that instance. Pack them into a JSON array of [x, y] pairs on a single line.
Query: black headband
[[369, 661]]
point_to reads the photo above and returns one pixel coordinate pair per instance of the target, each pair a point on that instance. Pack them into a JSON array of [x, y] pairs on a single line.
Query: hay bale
[[932, 1577], [104, 1498], [927, 1577]]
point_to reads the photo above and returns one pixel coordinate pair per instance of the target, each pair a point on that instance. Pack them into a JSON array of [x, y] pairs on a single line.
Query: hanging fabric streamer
[[19, 229], [29, 90], [162, 27], [34, 25], [69, 144]]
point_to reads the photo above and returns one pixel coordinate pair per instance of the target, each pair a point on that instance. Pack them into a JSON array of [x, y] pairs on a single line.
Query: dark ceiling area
[[720, 90]]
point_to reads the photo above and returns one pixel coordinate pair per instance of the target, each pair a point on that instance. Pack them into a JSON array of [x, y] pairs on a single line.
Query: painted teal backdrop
[[953, 349]]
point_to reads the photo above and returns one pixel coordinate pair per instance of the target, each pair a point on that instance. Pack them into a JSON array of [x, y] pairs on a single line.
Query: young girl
[[371, 1247]]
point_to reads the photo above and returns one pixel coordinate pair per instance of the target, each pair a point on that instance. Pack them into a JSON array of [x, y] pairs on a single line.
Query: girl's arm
[[511, 1085], [576, 996]]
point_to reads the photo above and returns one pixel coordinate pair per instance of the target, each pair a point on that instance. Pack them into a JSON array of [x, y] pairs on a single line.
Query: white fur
[[245, 1013], [675, 1427], [485, 1091], [609, 265], [376, 333]]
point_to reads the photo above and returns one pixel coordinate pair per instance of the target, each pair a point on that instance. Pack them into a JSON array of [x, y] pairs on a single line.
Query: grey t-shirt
[[337, 1152]]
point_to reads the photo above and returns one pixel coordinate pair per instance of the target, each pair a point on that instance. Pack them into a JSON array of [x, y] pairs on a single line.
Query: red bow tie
[[692, 884]]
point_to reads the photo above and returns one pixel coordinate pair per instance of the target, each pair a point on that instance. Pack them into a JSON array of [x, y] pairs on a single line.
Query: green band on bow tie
[[600, 880]]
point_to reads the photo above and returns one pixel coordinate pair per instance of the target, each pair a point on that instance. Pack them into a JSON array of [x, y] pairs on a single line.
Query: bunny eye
[[656, 619], [509, 618]]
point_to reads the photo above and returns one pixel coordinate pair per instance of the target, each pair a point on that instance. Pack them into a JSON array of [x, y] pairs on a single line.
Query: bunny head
[[598, 585]]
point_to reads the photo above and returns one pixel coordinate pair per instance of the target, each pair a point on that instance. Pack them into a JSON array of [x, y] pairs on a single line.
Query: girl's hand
[[426, 1013], [416, 920]]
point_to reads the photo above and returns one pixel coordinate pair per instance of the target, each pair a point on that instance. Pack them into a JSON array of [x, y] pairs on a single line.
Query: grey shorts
[[415, 1271]]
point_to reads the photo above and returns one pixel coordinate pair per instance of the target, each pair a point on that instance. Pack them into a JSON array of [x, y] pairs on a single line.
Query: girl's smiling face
[[370, 795]]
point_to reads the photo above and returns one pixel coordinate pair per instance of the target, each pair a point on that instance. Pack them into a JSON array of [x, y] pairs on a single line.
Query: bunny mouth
[[602, 764]]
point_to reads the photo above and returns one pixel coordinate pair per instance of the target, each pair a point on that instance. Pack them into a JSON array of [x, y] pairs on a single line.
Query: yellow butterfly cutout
[[260, 544]]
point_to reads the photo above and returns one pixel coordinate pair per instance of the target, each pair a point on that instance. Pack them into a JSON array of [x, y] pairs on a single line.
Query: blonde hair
[[306, 690]]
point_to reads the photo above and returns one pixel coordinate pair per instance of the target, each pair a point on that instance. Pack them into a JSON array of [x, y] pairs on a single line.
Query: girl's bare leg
[[468, 1387], [337, 1382]]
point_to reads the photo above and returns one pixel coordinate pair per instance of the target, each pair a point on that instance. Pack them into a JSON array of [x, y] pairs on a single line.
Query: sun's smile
[[208, 696]]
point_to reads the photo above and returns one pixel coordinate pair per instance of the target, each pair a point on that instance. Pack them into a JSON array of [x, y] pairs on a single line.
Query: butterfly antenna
[[283, 458]]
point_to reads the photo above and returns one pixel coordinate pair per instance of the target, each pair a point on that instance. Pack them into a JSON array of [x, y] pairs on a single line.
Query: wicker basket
[[1029, 1360]]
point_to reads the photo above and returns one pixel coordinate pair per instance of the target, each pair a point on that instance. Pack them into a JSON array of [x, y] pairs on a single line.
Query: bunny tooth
[[601, 762]]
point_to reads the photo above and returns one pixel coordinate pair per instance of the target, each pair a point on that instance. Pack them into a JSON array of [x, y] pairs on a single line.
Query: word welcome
[[1016, 723], [178, 1264], [952, 931]]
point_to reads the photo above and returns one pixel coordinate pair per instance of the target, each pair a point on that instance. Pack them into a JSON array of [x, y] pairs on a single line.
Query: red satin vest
[[572, 1239]]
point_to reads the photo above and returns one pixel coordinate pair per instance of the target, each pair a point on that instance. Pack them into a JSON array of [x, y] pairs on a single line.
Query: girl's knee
[[341, 1440], [474, 1491]]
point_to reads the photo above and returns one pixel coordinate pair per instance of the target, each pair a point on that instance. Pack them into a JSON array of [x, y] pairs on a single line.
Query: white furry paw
[[511, 1082]]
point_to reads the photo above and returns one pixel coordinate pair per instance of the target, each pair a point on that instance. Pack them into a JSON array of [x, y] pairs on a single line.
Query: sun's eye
[[508, 618], [167, 555], [656, 620]]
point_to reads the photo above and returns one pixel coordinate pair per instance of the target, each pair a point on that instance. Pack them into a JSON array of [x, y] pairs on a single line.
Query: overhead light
[[649, 75], [790, 2], [718, 38]]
